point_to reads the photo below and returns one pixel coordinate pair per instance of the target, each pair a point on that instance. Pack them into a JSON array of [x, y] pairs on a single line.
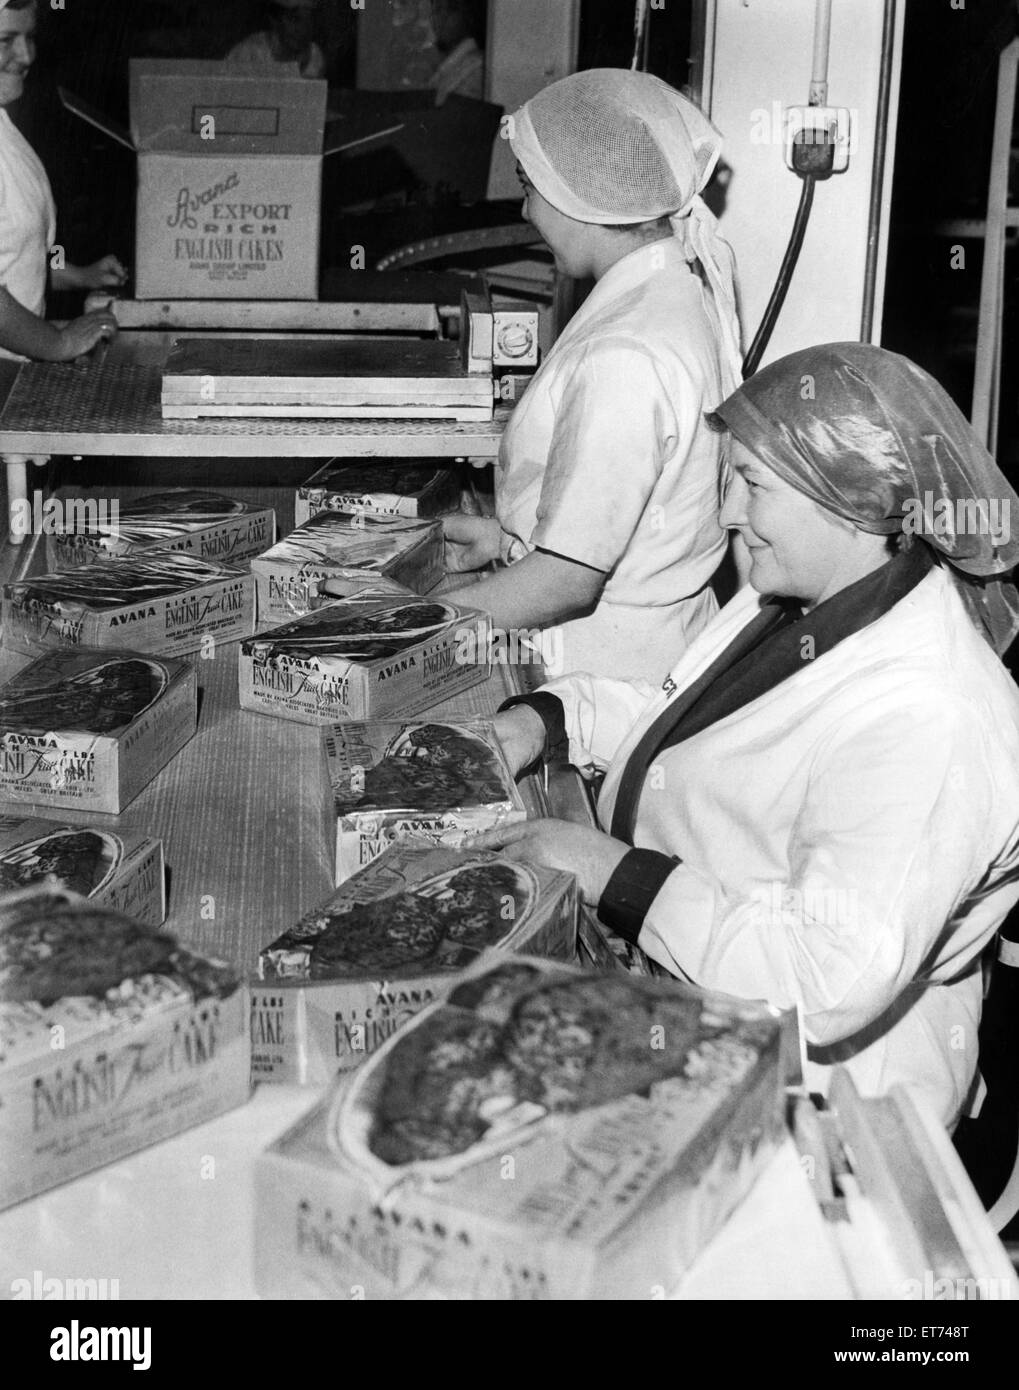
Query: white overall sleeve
[[599, 715], [888, 839]]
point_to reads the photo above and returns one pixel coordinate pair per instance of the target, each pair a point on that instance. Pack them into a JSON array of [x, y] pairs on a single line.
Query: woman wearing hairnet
[[607, 480], [28, 224], [820, 806]]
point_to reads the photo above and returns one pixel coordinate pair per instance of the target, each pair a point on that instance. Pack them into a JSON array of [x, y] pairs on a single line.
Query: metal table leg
[[17, 490]]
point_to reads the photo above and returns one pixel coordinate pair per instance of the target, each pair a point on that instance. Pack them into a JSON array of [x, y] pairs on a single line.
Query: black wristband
[[635, 883], [549, 709]]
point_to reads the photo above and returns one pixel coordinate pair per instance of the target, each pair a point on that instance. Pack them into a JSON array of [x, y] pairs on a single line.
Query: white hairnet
[[614, 147]]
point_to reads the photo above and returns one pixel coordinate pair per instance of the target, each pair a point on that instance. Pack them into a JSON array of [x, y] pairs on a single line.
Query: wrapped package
[[331, 545], [384, 487], [121, 870], [87, 729], [160, 601], [387, 943], [539, 1133], [370, 655], [113, 1036], [439, 781], [204, 524]]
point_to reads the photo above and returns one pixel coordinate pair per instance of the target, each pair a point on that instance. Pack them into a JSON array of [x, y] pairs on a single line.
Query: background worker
[[289, 37], [28, 224]]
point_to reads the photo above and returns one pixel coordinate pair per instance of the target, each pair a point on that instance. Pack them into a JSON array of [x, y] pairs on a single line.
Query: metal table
[[111, 407]]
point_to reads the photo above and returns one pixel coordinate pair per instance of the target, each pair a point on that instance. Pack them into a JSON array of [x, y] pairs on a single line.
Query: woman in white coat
[[607, 483], [820, 805], [28, 224]]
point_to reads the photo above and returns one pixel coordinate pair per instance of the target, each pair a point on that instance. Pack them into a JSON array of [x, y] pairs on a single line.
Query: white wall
[[759, 52]]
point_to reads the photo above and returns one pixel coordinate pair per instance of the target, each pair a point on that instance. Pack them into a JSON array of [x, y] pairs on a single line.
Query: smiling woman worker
[[825, 792], [28, 223], [607, 481]]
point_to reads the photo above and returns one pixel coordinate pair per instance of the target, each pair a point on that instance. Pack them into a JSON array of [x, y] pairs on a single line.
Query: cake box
[[540, 1133], [204, 524], [370, 655], [439, 781], [384, 487], [333, 544], [164, 602], [113, 1036], [86, 729], [388, 943], [121, 870]]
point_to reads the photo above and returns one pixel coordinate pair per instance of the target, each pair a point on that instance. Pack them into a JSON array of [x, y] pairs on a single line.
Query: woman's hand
[[81, 335], [471, 541], [521, 733], [106, 274], [559, 844]]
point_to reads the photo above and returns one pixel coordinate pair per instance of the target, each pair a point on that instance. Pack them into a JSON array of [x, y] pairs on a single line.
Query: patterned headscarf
[[872, 437]]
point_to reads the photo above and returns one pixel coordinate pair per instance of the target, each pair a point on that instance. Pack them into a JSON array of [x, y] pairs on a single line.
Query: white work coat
[[28, 220], [607, 460], [849, 841]]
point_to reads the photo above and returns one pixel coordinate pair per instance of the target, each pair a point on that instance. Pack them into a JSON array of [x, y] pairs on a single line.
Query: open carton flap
[[341, 136], [86, 112], [206, 108], [347, 135]]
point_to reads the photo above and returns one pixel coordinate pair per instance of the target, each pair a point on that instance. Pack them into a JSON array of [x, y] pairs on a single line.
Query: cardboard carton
[[331, 545], [87, 729], [387, 944], [204, 524], [153, 1039], [229, 178], [385, 487], [158, 601], [539, 1133], [368, 656], [120, 870], [436, 781]]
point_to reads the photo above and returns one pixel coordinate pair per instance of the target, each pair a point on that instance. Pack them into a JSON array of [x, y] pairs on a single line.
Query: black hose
[[640, 38], [877, 185], [785, 275]]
